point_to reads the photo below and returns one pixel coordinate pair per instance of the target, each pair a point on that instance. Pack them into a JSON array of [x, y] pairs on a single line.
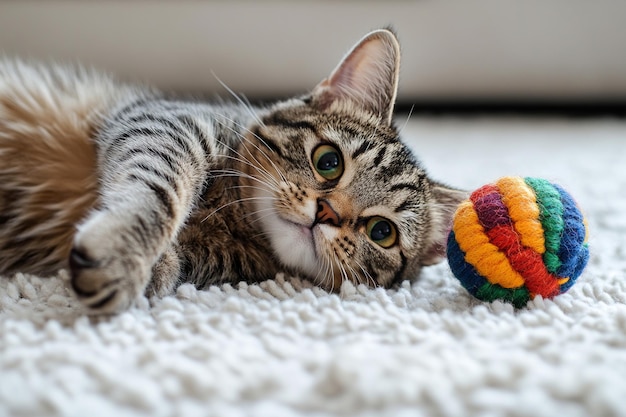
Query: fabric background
[[284, 348]]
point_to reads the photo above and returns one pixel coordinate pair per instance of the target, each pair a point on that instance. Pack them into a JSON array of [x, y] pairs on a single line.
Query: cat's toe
[[98, 292], [79, 260], [100, 296], [80, 263], [103, 285]]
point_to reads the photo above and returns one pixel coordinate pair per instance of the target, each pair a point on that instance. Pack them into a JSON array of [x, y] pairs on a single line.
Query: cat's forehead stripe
[[283, 121], [411, 194], [267, 141], [407, 204], [364, 147], [406, 186]]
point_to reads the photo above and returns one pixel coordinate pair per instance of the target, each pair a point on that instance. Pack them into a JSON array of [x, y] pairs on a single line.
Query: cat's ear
[[443, 205], [367, 76]]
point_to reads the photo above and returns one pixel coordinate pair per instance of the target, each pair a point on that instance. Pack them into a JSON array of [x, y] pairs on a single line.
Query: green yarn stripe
[[551, 218], [519, 297]]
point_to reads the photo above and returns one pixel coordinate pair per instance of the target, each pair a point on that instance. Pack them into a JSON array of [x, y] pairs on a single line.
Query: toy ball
[[518, 238]]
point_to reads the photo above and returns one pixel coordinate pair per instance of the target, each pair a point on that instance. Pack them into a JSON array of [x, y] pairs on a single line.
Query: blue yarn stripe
[[572, 253], [465, 272], [582, 262]]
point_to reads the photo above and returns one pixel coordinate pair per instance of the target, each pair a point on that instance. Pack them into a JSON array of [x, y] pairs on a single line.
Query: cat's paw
[[108, 272]]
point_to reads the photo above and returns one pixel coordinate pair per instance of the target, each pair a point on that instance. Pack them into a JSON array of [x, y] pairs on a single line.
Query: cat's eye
[[327, 162], [382, 232]]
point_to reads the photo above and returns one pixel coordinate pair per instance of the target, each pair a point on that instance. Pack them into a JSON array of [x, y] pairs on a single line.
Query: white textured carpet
[[283, 348]]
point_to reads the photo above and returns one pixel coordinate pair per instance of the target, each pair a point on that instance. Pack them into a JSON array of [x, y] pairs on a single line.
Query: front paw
[[108, 272]]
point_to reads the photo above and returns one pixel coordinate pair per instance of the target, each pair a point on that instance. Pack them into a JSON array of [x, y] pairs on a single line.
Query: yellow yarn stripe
[[484, 256], [521, 202]]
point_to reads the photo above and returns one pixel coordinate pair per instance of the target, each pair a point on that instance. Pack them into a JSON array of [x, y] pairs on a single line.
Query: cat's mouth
[[310, 233], [307, 251], [297, 241], [304, 234], [297, 245]]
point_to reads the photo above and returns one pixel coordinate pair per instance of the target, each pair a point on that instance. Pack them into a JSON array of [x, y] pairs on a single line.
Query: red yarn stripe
[[482, 191], [525, 261]]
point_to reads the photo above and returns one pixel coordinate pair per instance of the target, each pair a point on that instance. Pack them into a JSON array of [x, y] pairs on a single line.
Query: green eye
[[382, 232], [327, 162]]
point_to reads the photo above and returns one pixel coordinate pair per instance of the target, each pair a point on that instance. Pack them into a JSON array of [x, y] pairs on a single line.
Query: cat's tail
[[48, 170]]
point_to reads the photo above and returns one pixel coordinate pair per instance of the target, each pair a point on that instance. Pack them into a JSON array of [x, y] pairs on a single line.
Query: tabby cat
[[135, 192]]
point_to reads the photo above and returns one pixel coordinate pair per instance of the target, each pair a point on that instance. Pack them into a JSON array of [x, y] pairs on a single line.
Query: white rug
[[283, 348]]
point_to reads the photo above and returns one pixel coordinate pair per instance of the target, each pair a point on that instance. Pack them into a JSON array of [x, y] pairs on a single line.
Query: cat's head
[[333, 188]]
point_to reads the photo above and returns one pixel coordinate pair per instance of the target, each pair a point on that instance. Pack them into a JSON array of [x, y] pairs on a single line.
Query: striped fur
[[135, 192]]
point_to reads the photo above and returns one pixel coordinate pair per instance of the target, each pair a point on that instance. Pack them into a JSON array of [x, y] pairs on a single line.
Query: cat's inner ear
[[367, 76]]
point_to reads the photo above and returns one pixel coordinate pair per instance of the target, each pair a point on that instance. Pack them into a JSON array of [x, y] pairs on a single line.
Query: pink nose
[[326, 213]]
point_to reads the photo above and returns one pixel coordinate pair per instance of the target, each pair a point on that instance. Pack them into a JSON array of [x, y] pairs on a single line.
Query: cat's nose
[[326, 213]]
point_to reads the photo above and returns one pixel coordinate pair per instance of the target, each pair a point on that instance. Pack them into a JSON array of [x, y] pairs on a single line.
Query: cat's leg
[[153, 165]]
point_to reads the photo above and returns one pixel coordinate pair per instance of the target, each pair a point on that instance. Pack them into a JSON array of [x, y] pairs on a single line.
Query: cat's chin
[[293, 244]]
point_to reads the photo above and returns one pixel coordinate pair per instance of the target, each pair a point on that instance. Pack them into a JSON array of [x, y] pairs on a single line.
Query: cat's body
[[134, 192]]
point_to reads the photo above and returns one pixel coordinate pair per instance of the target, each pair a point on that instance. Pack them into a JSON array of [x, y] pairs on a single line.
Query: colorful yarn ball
[[518, 238]]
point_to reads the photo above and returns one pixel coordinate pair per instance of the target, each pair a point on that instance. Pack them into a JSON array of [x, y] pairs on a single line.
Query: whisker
[[238, 174], [242, 102], [260, 217], [243, 159], [266, 174], [406, 122], [323, 271], [331, 275], [355, 279], [344, 273], [366, 274], [326, 274], [230, 203], [278, 171], [254, 187]]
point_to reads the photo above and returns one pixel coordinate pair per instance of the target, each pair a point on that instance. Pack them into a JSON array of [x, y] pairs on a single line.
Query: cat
[[136, 192]]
